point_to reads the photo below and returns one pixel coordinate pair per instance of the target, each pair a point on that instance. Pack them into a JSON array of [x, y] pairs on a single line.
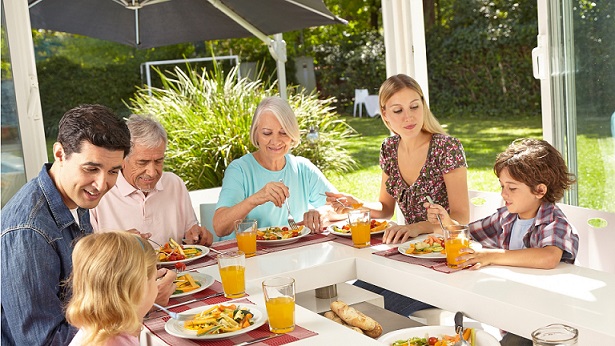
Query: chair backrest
[[360, 95], [371, 104], [204, 205], [483, 204], [596, 231]]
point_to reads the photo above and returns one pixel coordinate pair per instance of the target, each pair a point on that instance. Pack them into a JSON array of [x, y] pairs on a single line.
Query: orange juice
[[246, 242], [281, 311], [233, 281], [452, 247], [360, 232]]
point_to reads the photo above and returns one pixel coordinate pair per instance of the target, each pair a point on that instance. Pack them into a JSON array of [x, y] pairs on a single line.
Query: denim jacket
[[38, 235]]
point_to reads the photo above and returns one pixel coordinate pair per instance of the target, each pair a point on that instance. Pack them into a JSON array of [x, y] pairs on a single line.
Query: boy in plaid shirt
[[530, 231]]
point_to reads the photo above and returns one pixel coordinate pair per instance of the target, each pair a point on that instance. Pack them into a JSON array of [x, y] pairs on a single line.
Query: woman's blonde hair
[[285, 115], [110, 271], [396, 83]]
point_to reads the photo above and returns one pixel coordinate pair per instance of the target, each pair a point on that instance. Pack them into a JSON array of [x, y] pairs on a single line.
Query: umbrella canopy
[[154, 23]]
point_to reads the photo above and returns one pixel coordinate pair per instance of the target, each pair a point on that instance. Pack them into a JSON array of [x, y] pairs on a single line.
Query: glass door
[[575, 61]]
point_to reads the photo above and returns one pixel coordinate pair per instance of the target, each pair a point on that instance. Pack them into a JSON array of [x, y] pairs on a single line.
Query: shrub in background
[[208, 115], [64, 84]]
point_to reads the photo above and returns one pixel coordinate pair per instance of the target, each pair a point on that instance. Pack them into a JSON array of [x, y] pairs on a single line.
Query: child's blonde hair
[[110, 271], [534, 162]]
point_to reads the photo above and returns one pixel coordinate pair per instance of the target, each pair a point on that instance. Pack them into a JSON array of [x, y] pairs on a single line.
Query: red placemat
[[375, 240], [437, 264], [156, 326]]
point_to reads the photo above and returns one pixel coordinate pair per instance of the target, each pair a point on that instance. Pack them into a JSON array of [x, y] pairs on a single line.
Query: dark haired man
[[42, 222]]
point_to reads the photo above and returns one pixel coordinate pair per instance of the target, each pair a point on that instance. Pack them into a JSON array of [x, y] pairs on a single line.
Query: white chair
[[372, 106], [483, 204], [596, 231], [359, 100], [204, 204]]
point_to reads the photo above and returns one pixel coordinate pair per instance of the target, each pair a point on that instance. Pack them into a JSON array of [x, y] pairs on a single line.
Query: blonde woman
[[419, 160], [113, 286]]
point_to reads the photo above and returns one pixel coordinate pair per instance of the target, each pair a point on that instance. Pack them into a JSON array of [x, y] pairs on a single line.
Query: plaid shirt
[[550, 228]]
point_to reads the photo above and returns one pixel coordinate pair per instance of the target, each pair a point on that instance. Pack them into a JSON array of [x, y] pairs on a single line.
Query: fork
[[175, 315], [437, 215], [291, 219]]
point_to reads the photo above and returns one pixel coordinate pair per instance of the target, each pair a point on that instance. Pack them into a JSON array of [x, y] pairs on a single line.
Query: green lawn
[[483, 139]]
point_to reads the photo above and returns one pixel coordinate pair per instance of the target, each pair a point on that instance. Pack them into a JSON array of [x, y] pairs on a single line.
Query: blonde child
[[113, 286], [530, 231]]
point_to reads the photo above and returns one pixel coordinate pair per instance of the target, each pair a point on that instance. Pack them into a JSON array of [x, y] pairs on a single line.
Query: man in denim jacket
[[42, 222]]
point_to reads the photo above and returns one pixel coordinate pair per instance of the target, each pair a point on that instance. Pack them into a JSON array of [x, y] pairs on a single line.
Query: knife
[[259, 339], [193, 300]]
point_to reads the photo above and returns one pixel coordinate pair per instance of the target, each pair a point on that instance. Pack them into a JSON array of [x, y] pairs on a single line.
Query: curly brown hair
[[534, 162]]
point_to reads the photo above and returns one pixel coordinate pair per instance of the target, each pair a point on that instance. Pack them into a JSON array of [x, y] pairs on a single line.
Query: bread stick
[[356, 318], [332, 316]]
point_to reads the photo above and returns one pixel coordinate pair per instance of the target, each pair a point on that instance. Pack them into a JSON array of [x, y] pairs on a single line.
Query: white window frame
[[32, 132]]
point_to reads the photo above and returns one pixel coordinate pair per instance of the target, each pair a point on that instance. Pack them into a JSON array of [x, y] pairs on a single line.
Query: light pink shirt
[[165, 212]]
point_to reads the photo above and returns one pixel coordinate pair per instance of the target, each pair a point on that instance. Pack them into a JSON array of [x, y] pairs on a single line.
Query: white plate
[[204, 252], [305, 231], [203, 279], [340, 224], [482, 338], [403, 247], [176, 328]]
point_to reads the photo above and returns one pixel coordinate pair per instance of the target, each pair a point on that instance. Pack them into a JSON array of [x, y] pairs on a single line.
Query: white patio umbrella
[[155, 23]]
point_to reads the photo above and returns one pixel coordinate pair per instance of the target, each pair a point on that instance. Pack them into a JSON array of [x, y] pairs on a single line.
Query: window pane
[[594, 50]]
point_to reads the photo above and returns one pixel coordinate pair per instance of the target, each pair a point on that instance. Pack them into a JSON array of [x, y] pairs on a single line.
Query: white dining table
[[518, 300]]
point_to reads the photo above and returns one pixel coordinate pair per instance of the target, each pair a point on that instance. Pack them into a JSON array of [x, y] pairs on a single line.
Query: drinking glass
[[359, 222], [279, 295], [555, 335], [245, 232], [232, 266], [456, 237]]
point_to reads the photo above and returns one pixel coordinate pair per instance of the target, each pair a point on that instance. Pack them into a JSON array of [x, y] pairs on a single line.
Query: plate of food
[[377, 226], [218, 321], [172, 252], [424, 246], [280, 235], [188, 283], [429, 335]]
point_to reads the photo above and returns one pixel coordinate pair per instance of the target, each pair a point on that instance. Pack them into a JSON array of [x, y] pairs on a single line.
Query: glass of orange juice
[[279, 295], [232, 266], [245, 232], [456, 237], [359, 222]]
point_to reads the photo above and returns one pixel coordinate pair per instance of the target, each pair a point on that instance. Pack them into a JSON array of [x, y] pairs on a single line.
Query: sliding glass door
[[575, 61]]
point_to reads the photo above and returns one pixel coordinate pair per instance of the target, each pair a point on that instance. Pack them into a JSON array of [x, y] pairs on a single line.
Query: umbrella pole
[[279, 46]]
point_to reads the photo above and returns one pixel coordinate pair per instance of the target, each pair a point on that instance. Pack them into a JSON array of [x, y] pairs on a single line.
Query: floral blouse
[[445, 154]]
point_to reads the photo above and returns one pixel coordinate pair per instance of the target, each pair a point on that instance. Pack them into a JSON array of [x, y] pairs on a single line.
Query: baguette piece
[[332, 316], [356, 318]]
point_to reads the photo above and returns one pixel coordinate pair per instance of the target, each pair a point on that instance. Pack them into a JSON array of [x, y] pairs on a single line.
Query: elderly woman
[[257, 185]]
